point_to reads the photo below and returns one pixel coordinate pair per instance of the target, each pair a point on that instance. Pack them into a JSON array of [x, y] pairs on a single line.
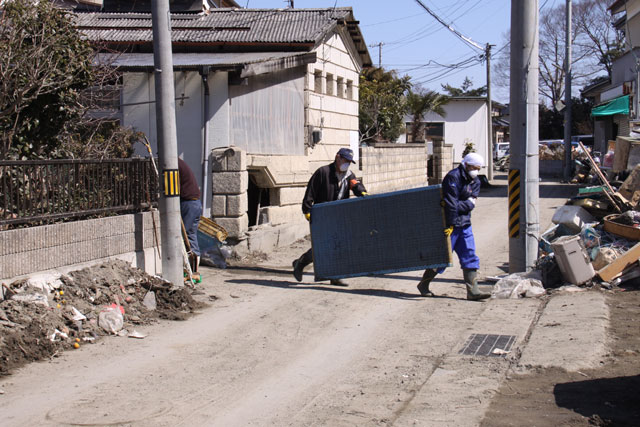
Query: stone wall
[[36, 249], [229, 184], [391, 167]]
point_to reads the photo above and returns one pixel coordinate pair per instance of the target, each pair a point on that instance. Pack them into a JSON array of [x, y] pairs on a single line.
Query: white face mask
[[344, 167], [473, 174]]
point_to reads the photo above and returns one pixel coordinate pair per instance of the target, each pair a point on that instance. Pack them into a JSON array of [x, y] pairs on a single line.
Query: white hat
[[473, 159]]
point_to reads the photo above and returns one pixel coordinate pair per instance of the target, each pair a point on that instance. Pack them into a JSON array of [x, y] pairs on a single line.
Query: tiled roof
[[234, 26]]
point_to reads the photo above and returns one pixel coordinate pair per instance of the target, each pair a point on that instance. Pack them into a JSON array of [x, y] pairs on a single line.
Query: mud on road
[[605, 396]]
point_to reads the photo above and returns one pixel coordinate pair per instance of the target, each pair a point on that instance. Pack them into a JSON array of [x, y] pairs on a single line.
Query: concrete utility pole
[[489, 115], [524, 226], [567, 96], [167, 145], [379, 45]]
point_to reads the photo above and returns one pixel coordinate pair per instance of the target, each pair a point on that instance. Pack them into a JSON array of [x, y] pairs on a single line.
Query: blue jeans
[[190, 210], [463, 244]]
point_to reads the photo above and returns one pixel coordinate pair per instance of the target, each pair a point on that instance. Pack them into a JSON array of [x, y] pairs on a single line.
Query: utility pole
[[169, 202], [523, 224], [489, 115], [379, 45], [567, 96]]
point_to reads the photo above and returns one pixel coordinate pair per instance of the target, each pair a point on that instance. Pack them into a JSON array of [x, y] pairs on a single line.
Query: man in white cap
[[460, 190]]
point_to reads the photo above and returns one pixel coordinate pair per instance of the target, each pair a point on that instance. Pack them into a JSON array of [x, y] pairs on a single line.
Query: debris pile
[[45, 314], [595, 237]]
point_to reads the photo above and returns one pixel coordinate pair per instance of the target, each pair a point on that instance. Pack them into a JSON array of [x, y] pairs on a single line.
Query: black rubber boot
[[471, 281], [423, 286], [298, 268]]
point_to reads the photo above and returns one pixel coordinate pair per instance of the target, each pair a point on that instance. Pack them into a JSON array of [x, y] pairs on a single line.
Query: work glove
[[308, 216], [448, 231], [364, 193]]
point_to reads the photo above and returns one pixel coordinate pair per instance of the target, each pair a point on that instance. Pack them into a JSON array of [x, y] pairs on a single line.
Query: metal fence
[[41, 191]]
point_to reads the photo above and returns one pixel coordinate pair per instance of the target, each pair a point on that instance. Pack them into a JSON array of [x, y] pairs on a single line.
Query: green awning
[[615, 106]]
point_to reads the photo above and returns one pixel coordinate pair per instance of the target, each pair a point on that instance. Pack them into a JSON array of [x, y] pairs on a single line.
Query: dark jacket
[[457, 188], [189, 189], [323, 187]]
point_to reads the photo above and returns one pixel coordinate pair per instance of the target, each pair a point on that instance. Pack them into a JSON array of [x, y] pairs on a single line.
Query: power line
[[450, 28]]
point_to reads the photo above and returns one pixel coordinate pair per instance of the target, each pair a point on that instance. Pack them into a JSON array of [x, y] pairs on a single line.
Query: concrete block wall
[[442, 161], [36, 249], [229, 183], [391, 167]]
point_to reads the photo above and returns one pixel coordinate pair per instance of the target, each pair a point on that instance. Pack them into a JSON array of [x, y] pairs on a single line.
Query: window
[[340, 81], [349, 89], [330, 84], [317, 81]]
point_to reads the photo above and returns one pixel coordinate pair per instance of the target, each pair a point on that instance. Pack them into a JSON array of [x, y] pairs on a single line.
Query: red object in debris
[[118, 306]]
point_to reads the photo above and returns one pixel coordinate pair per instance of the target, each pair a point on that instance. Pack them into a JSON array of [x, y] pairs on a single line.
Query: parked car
[[500, 149]]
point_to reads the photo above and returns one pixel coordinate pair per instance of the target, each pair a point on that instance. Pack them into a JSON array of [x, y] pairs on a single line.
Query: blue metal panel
[[384, 233]]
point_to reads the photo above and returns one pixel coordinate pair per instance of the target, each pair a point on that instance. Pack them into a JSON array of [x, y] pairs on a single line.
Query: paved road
[[270, 351]]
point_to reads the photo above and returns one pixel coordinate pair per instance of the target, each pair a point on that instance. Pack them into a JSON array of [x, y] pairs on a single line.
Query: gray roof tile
[[270, 26]]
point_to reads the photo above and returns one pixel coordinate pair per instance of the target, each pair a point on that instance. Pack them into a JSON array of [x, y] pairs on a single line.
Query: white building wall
[[465, 121], [336, 116]]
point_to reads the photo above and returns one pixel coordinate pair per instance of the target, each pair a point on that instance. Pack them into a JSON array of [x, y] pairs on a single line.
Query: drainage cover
[[488, 345]]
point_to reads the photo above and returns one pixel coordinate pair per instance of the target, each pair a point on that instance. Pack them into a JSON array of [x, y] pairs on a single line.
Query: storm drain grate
[[485, 344]]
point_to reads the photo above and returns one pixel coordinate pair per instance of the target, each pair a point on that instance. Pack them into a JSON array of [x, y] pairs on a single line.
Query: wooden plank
[[598, 172], [619, 264]]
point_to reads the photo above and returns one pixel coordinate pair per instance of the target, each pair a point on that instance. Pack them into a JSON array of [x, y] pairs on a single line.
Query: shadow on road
[[288, 272], [385, 293], [614, 400]]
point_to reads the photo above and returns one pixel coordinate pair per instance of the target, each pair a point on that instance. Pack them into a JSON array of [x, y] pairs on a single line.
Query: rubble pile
[[45, 314], [595, 239], [553, 151]]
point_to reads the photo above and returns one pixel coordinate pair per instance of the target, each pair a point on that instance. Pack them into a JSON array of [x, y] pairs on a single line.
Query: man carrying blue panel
[[460, 190], [328, 183]]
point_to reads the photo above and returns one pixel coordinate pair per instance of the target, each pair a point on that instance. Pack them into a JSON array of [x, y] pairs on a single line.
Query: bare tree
[[594, 45]]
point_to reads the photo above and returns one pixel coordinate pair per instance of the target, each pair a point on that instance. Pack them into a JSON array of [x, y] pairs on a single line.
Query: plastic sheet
[[517, 285]]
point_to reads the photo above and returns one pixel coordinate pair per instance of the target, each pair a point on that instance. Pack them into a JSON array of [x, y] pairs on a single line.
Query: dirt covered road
[[268, 350]]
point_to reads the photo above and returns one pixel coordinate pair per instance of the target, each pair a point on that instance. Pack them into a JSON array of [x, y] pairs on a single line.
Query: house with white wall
[[263, 98], [465, 122]]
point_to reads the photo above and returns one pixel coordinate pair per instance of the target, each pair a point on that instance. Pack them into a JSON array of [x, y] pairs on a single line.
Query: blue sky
[[416, 44]]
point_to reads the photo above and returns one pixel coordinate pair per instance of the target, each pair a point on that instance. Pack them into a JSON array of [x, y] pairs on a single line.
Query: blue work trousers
[[463, 244], [191, 210]]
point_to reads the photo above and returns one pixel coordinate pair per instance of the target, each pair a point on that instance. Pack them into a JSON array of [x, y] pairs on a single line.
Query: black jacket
[[323, 187], [457, 188]]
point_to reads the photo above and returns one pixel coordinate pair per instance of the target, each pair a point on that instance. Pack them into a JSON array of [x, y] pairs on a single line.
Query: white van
[[500, 149]]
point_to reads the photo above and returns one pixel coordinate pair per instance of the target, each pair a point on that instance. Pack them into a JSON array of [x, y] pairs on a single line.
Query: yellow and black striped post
[[514, 202], [171, 182]]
